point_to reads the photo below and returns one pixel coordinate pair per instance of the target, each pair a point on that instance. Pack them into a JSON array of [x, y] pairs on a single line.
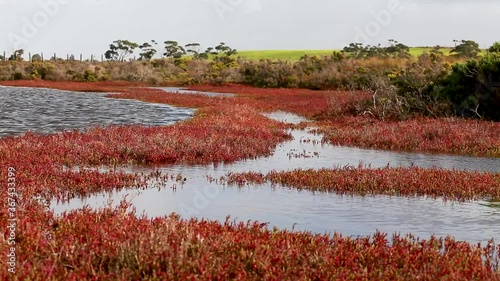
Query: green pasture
[[295, 55], [292, 55]]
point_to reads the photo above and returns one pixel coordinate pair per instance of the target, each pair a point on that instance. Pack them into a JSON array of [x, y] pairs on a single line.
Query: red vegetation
[[221, 132], [307, 103], [414, 181], [457, 136], [227, 134], [113, 244]]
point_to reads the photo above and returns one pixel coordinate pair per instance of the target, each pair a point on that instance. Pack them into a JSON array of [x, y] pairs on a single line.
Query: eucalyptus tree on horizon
[[120, 50]]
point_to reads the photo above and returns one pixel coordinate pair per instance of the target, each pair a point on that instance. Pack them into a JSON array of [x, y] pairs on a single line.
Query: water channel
[[281, 207]]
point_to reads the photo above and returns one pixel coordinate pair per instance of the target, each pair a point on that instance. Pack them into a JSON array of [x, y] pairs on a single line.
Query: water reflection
[[319, 212], [304, 210]]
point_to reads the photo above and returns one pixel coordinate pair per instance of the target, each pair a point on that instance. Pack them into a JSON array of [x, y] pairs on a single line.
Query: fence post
[[4, 56], [41, 54], [81, 56], [29, 57]]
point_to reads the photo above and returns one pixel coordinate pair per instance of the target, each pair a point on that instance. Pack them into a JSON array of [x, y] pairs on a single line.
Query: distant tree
[[466, 49], [397, 50], [193, 49], [206, 54], [72, 57], [359, 51], [17, 55], [495, 48], [147, 50], [375, 51], [394, 50], [174, 50], [223, 48], [120, 50], [223, 54], [355, 50], [36, 57]]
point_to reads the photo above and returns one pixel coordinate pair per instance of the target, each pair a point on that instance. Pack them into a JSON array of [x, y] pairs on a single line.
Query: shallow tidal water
[[307, 211], [36, 110], [190, 92], [49, 111], [304, 210]]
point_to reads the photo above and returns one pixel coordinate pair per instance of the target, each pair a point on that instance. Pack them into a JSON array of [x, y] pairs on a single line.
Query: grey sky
[[89, 26]]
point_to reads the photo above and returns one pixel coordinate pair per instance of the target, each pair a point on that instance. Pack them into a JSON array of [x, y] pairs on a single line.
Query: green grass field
[[295, 55], [417, 51], [292, 55]]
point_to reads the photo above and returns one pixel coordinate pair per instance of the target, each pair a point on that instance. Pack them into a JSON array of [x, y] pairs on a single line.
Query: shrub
[[17, 76], [474, 87], [39, 69], [268, 74], [495, 48], [410, 91], [12, 69]]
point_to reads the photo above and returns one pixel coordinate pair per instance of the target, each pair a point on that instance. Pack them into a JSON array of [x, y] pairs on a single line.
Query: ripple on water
[[48, 111]]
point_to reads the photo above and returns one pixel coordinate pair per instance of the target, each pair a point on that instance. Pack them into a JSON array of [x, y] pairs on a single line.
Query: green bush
[[495, 48], [89, 76], [17, 76], [474, 87], [268, 74], [39, 69]]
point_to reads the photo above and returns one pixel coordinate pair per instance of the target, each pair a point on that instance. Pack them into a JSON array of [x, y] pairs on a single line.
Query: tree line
[[122, 50], [467, 49]]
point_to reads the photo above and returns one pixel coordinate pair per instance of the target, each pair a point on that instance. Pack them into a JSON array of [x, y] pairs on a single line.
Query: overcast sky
[[89, 26]]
